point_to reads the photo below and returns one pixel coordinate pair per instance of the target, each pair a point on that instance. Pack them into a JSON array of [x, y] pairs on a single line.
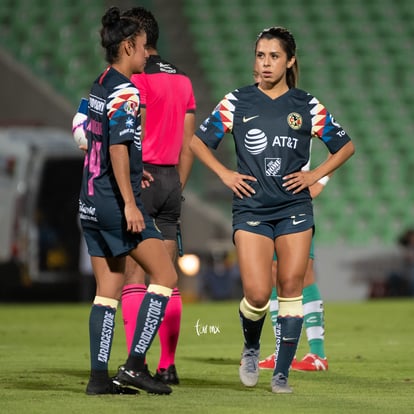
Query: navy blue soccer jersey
[[113, 118], [272, 139]]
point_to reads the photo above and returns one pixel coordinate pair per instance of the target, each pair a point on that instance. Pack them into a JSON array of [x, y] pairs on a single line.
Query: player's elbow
[[195, 144], [351, 148]]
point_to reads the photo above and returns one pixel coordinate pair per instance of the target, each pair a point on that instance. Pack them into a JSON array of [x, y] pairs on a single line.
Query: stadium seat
[[53, 37]]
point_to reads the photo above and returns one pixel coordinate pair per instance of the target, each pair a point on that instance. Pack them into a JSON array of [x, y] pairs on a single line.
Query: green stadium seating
[[355, 57], [56, 39]]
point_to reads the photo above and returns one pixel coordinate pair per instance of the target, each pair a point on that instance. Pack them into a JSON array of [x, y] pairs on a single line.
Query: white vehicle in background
[[40, 175]]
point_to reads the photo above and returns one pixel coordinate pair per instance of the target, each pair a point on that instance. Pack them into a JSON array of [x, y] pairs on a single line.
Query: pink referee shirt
[[167, 94]]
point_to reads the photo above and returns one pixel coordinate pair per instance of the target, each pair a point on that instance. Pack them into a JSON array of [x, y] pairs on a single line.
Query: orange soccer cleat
[[310, 362], [269, 362]]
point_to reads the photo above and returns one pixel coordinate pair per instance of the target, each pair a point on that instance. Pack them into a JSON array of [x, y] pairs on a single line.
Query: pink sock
[[132, 296], [170, 330]]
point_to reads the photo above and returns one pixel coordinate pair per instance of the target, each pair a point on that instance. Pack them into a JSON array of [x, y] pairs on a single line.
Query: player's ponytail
[[115, 29]]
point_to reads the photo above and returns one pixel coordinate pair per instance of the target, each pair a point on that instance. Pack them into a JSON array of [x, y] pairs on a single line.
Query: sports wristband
[[324, 180]]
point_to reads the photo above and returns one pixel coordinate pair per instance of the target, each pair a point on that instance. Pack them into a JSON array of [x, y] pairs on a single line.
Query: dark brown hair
[[115, 29], [289, 46]]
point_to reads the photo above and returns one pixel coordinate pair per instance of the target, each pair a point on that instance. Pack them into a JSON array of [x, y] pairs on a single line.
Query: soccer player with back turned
[[112, 216]]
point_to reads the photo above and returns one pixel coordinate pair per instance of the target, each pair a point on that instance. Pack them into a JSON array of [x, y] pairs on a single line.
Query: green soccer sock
[[314, 319], [274, 309]]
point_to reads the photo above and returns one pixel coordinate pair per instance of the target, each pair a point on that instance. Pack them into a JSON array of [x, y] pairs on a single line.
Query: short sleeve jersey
[[272, 139], [167, 94], [113, 118]]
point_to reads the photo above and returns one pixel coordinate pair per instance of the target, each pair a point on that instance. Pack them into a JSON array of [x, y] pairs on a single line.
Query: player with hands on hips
[[272, 124], [313, 307]]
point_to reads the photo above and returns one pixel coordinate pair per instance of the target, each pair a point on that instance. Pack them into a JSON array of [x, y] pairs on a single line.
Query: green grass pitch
[[44, 363]]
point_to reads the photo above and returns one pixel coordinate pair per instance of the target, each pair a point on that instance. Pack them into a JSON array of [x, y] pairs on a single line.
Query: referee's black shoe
[[167, 375], [143, 380]]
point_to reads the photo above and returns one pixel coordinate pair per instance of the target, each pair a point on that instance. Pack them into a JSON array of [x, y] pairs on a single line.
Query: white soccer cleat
[[249, 367]]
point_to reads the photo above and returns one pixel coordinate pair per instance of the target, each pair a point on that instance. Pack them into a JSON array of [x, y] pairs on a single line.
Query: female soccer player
[[313, 309], [272, 124], [113, 220]]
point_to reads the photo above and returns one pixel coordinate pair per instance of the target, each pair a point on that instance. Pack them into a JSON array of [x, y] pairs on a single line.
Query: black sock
[[252, 331]]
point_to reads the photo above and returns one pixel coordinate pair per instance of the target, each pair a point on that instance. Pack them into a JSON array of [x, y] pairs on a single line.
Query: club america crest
[[294, 120]]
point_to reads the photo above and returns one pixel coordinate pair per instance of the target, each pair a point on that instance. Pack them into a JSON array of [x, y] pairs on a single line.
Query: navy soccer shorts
[[279, 227], [117, 242]]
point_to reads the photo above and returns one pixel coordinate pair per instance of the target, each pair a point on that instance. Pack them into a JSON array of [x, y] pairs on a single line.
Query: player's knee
[[290, 288], [168, 278], [258, 297]]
